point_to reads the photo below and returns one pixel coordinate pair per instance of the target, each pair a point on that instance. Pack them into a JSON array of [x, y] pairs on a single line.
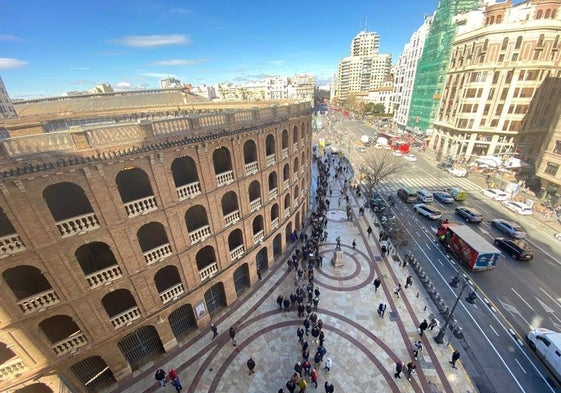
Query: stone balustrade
[[259, 236], [104, 276], [232, 218], [285, 153], [126, 317], [225, 178], [286, 184], [157, 254], [188, 191], [237, 252], [11, 368], [295, 147], [287, 212], [77, 225], [251, 168], [275, 223], [273, 193], [255, 205], [10, 244], [296, 201], [70, 344], [38, 301], [200, 234], [141, 206], [172, 293], [208, 271], [271, 159]]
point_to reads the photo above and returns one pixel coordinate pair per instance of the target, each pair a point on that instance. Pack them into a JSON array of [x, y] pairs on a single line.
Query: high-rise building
[[365, 44], [7, 109], [432, 67], [405, 71]]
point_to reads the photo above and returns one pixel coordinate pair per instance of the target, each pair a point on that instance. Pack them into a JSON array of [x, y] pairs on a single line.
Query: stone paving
[[363, 346]]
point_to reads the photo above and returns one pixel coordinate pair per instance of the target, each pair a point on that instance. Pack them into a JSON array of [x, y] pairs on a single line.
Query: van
[[457, 194], [407, 195], [547, 345], [425, 196]]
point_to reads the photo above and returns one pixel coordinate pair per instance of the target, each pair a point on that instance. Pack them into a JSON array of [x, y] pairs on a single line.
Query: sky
[[51, 47]]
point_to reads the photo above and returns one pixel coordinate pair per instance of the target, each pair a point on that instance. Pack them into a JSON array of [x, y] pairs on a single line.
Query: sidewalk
[[363, 346]]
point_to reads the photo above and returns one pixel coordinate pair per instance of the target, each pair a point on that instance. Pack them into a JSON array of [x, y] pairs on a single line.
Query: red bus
[[396, 143]]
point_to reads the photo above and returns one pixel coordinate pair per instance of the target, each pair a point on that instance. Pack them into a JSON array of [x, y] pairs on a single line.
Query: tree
[[383, 165], [375, 108]]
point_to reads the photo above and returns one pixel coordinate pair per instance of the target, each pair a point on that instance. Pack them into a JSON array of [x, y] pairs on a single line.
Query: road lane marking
[[549, 296], [519, 365], [521, 298], [494, 331], [439, 261]]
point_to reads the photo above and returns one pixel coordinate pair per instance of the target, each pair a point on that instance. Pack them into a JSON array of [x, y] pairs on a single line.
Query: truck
[[467, 246], [365, 139], [457, 193], [547, 345]]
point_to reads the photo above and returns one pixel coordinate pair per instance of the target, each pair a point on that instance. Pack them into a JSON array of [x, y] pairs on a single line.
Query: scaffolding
[[433, 64]]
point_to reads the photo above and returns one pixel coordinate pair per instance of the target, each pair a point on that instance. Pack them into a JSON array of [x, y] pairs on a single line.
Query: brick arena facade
[[120, 241]]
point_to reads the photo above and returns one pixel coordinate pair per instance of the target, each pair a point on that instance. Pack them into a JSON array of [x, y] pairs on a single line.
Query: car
[[469, 214], [427, 211], [510, 228], [516, 248], [557, 236], [443, 197], [444, 165], [410, 157], [495, 194], [397, 153], [458, 171], [518, 207]]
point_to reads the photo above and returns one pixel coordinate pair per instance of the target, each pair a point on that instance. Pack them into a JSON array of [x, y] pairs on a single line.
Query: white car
[[458, 172], [518, 207], [410, 157], [495, 194], [397, 153], [427, 211]]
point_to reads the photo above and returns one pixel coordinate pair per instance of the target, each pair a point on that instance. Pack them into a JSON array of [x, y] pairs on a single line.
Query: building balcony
[[296, 201], [104, 276], [237, 253], [275, 223], [126, 317], [255, 205], [271, 159], [259, 236], [38, 302], [209, 271], [225, 178], [232, 218], [171, 294], [157, 254], [10, 244], [188, 191], [287, 212], [295, 147], [77, 225], [70, 344], [141, 206], [12, 368], [285, 153], [200, 234], [251, 168], [285, 184], [273, 193]]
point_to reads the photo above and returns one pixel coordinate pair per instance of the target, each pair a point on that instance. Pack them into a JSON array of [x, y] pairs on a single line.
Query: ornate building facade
[[120, 240], [7, 109]]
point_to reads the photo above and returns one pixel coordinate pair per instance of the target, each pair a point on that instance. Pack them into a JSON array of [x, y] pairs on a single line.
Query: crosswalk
[[426, 183]]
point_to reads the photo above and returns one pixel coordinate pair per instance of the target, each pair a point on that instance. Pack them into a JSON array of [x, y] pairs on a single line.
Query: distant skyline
[[48, 48]]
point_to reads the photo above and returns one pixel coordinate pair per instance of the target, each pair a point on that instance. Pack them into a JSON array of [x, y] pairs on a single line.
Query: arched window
[[539, 14], [518, 42]]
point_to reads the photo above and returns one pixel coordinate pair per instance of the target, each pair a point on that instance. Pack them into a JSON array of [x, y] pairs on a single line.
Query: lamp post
[[439, 338]]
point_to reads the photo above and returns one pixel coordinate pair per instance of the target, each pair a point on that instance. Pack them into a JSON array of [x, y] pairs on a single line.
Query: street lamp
[[439, 338]]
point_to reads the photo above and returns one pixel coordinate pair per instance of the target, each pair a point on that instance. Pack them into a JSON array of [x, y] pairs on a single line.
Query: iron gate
[[277, 247], [215, 298], [241, 278], [92, 372], [261, 260], [140, 344], [182, 320]]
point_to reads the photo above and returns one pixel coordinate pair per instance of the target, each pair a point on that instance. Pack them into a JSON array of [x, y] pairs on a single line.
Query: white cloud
[[152, 41], [157, 75], [277, 62], [79, 68], [7, 62], [180, 62], [123, 85], [11, 38]]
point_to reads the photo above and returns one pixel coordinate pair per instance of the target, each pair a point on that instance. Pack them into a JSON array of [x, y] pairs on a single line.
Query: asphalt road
[[512, 299]]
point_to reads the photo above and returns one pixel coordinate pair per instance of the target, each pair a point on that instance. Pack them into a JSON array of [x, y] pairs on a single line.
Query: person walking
[[422, 327], [290, 385], [160, 377], [328, 387], [399, 365], [306, 367], [377, 283], [214, 330], [417, 347], [369, 230], [354, 244], [300, 334], [327, 364], [251, 365], [306, 324], [233, 336], [455, 357], [411, 366], [314, 378], [433, 323], [303, 385], [397, 290], [382, 309], [279, 301], [408, 282], [174, 378]]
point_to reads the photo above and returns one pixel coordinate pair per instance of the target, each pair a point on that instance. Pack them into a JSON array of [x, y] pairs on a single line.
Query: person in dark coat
[[251, 365], [291, 386], [233, 336], [328, 387], [455, 357], [377, 283], [411, 366], [398, 369], [214, 330], [286, 303], [160, 377], [279, 301], [422, 327]]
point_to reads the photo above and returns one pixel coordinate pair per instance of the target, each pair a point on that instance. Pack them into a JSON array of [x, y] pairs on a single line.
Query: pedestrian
[[317, 359], [174, 378], [251, 365], [354, 244], [160, 377], [377, 283], [307, 326], [369, 230], [422, 327], [322, 351], [279, 301], [314, 378], [214, 330], [411, 366], [286, 303], [321, 337], [328, 387], [384, 249], [397, 290], [315, 334], [327, 364], [433, 323], [417, 347], [300, 334], [382, 309], [298, 368], [408, 281], [233, 336], [303, 385], [306, 366], [399, 365], [291, 386], [281, 390], [455, 357]]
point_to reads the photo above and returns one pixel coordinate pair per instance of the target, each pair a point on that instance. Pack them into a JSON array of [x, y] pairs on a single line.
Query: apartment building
[[7, 109]]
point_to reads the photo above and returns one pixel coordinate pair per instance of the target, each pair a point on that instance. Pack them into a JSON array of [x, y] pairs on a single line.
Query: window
[[505, 43], [557, 148], [496, 77], [540, 41], [518, 42], [551, 168], [539, 14]]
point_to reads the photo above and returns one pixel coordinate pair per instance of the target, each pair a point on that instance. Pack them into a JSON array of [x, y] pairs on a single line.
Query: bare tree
[[382, 165]]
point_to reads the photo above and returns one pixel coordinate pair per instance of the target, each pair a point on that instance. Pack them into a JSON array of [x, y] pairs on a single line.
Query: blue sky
[[49, 47]]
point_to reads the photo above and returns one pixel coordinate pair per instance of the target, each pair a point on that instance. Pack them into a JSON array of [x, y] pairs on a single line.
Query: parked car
[[469, 214], [516, 248], [495, 194], [410, 157], [458, 171], [443, 197], [518, 207], [397, 153], [427, 211], [444, 165], [510, 228]]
